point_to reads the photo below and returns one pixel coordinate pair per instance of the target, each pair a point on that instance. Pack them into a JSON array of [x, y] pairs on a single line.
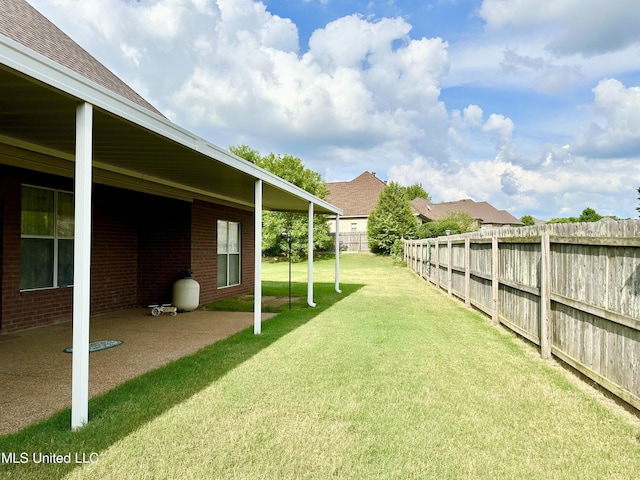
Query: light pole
[[287, 236]]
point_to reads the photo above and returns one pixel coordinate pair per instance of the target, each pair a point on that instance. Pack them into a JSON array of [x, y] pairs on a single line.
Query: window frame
[[228, 253], [55, 237]]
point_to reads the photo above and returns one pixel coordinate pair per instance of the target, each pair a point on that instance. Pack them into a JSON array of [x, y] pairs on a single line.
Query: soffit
[[130, 142]]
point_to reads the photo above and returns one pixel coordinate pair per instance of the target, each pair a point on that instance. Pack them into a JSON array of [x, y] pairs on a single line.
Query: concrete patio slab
[[35, 372]]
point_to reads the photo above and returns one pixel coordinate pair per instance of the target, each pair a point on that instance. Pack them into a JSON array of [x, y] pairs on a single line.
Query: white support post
[[338, 254], [82, 267], [310, 259], [257, 288]]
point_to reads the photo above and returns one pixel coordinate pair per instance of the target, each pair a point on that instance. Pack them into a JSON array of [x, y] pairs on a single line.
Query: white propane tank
[[186, 293]]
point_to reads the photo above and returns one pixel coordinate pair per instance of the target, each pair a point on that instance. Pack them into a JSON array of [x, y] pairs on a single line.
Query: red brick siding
[[141, 244], [164, 247], [22, 310], [114, 250], [204, 249]]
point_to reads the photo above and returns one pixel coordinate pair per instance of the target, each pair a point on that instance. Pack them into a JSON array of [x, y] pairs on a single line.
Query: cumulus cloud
[[366, 92], [620, 136], [472, 115], [232, 66], [353, 85], [522, 190]]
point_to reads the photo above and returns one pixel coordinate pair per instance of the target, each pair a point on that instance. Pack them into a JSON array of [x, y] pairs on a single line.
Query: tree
[[454, 223], [246, 152], [589, 215], [416, 191], [391, 220], [528, 220], [638, 208], [296, 225]]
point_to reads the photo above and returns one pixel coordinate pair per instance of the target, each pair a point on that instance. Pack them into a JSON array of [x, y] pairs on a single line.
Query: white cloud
[[367, 96], [133, 53], [522, 191], [548, 76], [500, 128], [620, 136], [572, 26], [473, 115]]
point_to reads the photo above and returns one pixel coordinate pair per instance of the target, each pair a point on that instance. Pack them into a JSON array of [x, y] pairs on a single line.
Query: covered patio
[[64, 116], [35, 372]]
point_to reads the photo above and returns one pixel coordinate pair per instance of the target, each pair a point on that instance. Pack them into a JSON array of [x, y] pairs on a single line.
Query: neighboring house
[[483, 213], [104, 202], [357, 198]]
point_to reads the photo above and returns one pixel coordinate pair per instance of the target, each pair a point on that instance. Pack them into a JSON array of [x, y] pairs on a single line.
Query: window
[[228, 253], [46, 252], [354, 227]]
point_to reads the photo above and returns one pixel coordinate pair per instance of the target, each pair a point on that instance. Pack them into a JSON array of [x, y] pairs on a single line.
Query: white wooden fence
[[571, 289]]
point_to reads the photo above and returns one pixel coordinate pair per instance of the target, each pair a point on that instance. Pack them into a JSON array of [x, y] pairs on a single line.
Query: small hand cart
[[164, 308]]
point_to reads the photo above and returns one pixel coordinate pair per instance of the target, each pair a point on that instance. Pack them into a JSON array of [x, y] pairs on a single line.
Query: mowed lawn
[[392, 380]]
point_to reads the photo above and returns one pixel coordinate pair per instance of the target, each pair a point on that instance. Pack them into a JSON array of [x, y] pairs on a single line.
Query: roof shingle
[[483, 212], [24, 24], [358, 197]]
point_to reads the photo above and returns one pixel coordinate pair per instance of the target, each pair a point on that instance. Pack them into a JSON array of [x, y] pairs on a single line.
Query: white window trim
[[228, 253], [55, 237]]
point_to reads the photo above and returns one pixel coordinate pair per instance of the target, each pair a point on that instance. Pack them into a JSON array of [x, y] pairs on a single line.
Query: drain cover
[[97, 346]]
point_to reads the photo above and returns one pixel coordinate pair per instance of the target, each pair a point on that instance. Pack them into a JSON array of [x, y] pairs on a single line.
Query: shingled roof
[[483, 212], [357, 197], [24, 24]]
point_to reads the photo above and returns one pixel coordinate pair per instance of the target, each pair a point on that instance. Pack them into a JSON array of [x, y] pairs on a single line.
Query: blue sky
[[532, 106]]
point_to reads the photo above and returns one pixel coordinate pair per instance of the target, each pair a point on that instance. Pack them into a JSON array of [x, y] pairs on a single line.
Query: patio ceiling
[[132, 146]]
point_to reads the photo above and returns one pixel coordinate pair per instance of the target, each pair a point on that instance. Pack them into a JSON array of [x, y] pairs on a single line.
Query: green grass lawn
[[391, 379]]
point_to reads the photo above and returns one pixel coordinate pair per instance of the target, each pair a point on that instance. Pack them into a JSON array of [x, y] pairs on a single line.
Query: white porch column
[[338, 254], [82, 267], [257, 289], [310, 259]]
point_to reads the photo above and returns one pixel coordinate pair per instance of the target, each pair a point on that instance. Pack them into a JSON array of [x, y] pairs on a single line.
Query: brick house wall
[[21, 310], [114, 250], [204, 249], [141, 244], [164, 246]]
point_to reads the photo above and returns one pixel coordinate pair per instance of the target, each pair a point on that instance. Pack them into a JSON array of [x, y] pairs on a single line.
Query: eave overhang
[[133, 147]]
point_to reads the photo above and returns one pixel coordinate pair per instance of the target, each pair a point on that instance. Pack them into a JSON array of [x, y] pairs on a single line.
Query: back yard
[[391, 379]]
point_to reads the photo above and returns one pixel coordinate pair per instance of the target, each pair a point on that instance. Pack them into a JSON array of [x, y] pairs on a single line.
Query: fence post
[[545, 296], [495, 281], [449, 267], [467, 272], [437, 264]]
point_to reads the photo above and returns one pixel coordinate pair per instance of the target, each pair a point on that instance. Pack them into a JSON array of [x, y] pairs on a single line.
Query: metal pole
[[289, 242]]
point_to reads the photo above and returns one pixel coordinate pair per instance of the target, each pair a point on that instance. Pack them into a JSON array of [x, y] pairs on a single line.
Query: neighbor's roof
[[44, 76], [484, 212], [357, 197]]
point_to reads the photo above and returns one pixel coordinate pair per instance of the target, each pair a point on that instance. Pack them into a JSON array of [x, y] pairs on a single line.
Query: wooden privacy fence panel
[[354, 241], [572, 289]]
